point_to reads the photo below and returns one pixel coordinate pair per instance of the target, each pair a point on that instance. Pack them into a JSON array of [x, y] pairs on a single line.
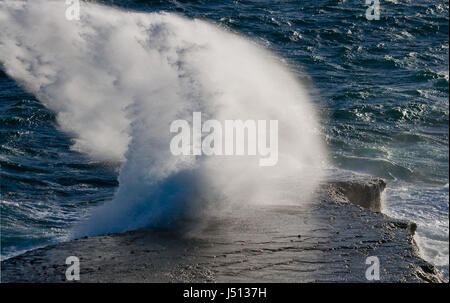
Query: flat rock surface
[[323, 241]]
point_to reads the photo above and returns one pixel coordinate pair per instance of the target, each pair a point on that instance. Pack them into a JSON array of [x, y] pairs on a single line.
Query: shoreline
[[327, 240]]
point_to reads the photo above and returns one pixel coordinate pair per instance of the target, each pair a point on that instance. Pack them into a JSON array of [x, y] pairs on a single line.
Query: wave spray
[[117, 80]]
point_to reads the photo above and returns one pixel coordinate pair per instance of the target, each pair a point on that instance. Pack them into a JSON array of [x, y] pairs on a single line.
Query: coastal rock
[[328, 240], [366, 194]]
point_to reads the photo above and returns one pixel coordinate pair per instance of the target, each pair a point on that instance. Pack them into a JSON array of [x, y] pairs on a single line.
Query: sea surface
[[381, 88]]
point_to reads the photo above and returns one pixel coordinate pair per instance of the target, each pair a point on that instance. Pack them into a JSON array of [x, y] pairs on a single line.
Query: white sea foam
[[407, 202], [117, 79]]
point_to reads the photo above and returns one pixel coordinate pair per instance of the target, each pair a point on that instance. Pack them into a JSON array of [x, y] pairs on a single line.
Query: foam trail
[[118, 79]]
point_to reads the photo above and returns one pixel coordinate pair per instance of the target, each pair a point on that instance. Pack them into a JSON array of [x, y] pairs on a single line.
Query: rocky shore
[[327, 240]]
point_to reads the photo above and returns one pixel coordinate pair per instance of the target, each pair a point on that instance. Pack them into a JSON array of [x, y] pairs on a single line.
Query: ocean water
[[379, 89]]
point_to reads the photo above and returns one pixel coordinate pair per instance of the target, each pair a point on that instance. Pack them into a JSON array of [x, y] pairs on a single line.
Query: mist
[[117, 80]]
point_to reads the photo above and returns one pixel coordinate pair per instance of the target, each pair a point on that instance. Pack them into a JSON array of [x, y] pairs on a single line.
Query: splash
[[118, 79]]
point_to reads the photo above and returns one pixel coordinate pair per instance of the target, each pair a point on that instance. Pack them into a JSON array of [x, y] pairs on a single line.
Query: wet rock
[[366, 194], [256, 244]]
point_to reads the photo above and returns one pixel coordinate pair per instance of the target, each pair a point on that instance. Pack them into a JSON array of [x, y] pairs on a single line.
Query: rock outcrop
[[328, 240], [366, 194]]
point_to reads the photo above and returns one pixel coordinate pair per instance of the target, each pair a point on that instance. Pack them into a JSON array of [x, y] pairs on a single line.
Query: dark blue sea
[[380, 87]]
